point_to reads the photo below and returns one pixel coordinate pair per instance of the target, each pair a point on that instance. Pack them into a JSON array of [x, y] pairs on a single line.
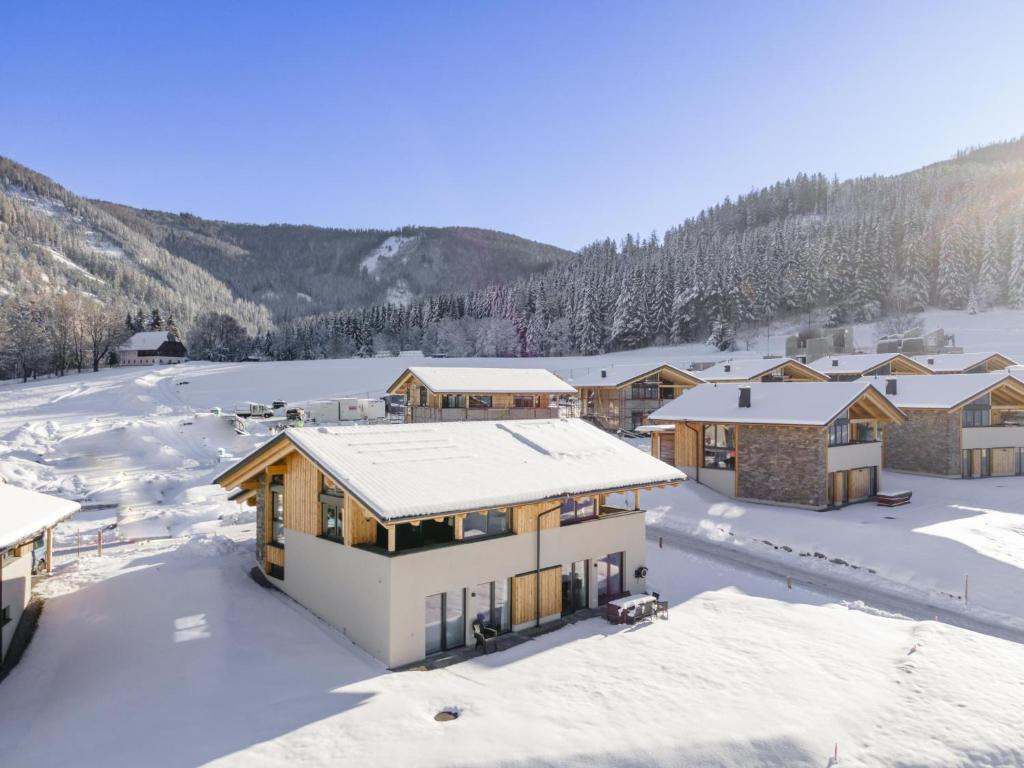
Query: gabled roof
[[620, 375], [861, 364], [483, 381], [753, 368], [24, 513], [793, 403], [943, 390], [146, 340], [962, 361], [413, 470]]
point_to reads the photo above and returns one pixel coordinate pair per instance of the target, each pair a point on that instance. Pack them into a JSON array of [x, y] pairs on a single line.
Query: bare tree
[[104, 330]]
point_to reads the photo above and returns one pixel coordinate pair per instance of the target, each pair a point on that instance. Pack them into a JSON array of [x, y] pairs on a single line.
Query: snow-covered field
[[164, 652]]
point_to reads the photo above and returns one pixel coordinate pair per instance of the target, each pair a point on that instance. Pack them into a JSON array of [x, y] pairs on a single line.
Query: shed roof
[[24, 513], [484, 381], [414, 470], [797, 403]]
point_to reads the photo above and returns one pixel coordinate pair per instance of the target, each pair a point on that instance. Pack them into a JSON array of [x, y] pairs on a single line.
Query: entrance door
[[860, 484], [838, 487], [574, 586], [1004, 462], [667, 448]]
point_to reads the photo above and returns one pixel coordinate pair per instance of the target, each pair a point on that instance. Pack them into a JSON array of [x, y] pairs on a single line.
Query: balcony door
[[574, 586], [609, 577]]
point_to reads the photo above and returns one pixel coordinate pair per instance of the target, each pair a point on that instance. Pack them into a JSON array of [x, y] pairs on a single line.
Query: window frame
[[488, 532], [337, 500], [724, 443], [276, 492], [569, 513]]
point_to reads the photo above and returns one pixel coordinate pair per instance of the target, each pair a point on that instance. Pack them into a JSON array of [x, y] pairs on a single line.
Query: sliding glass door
[[445, 621], [609, 577], [489, 603], [574, 586]]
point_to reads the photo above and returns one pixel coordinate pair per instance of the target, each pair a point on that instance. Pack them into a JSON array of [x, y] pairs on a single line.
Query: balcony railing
[[424, 413]]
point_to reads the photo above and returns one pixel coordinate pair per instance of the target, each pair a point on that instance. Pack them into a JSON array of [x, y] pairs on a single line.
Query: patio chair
[[486, 637]]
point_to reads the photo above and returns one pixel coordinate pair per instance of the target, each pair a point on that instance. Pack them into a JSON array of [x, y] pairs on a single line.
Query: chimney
[[727, 368], [744, 397], [890, 385], [835, 363], [931, 361], [604, 374]]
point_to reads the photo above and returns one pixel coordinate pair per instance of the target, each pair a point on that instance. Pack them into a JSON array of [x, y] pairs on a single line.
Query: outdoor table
[[621, 607]]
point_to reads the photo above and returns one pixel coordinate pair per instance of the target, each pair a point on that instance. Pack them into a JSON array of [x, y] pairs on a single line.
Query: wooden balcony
[[420, 414]]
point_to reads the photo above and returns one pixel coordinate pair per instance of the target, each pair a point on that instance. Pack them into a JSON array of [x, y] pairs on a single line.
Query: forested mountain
[[53, 242], [301, 270], [949, 234]]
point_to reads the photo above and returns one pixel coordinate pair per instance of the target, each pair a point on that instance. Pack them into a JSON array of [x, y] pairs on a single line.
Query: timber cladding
[[524, 517], [786, 464], [302, 484], [524, 595], [358, 525]]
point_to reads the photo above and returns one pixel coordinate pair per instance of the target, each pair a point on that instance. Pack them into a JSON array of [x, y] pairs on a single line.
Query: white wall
[[17, 591], [854, 456], [345, 586], [721, 480], [993, 437], [417, 574]]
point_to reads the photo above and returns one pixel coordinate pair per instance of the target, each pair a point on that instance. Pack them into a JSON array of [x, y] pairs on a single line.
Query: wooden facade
[[304, 483], [426, 405], [524, 595], [626, 405]]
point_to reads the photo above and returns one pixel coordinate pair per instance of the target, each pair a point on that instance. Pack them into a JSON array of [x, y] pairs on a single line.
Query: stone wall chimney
[[890, 385], [744, 397]]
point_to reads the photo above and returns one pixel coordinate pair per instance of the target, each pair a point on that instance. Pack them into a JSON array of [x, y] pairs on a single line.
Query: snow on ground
[[163, 652], [167, 654], [952, 529]]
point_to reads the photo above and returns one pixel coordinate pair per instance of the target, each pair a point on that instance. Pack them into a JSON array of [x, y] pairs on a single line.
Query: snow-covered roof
[[24, 513], [956, 362], [484, 381], [847, 364], [410, 470], [943, 390], [744, 370], [806, 403], [146, 340], [617, 375]]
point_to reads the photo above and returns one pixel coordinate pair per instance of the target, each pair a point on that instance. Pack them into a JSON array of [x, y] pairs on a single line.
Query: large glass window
[[609, 577], [277, 510], [644, 390], [574, 586], [488, 604], [839, 430], [423, 396], [453, 401], [490, 523], [522, 401], [864, 432], [978, 413], [331, 505], [444, 624], [480, 401], [577, 510], [719, 446]]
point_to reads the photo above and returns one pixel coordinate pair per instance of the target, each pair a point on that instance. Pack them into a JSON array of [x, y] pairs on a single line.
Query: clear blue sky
[[563, 122]]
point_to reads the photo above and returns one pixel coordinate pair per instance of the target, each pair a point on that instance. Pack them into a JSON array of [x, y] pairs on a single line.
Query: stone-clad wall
[[261, 506], [929, 442], [783, 464]]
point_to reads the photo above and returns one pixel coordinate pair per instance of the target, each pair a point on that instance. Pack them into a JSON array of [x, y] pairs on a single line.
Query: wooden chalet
[[801, 443], [956, 425], [624, 396], [480, 394], [966, 362], [405, 535]]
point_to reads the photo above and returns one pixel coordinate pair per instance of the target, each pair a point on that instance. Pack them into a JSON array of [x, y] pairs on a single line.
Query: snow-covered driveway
[[167, 654]]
